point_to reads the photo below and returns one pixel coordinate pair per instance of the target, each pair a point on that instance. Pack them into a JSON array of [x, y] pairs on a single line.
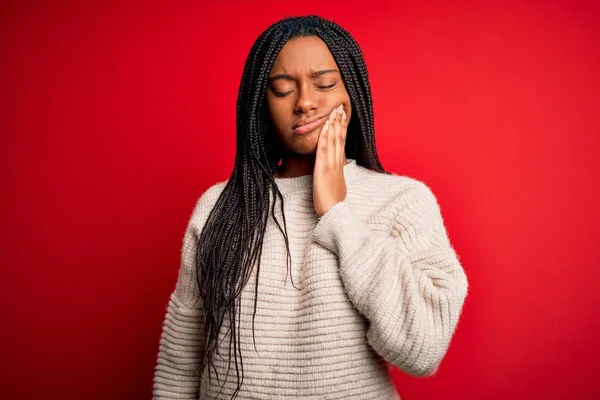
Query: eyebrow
[[315, 74]]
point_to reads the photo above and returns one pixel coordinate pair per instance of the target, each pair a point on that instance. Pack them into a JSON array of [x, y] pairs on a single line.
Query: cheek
[[347, 106], [277, 113], [343, 98]]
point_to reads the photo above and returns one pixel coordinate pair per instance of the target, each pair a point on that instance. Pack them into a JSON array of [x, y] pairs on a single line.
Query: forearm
[[407, 280], [180, 355]]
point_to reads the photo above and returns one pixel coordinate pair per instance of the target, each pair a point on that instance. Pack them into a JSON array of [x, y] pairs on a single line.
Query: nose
[[306, 101]]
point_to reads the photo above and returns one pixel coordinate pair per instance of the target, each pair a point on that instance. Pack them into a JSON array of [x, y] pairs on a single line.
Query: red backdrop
[[115, 118]]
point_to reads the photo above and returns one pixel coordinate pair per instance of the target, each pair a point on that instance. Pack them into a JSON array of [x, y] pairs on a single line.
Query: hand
[[329, 186]]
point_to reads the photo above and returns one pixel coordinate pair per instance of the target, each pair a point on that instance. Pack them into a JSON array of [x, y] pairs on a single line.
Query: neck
[[296, 165]]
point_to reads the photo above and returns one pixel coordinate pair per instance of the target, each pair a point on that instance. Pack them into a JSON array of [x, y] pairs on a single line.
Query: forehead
[[302, 55]]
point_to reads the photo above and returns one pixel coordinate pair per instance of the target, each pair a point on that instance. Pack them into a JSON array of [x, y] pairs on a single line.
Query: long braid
[[230, 245]]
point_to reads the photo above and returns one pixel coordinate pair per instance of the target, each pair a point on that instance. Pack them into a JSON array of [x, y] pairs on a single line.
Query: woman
[[374, 280]]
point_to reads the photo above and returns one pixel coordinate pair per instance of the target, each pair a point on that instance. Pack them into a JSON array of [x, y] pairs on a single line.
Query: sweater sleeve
[[405, 279], [181, 349]]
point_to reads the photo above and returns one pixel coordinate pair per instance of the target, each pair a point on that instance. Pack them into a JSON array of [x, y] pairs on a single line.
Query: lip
[[307, 125]]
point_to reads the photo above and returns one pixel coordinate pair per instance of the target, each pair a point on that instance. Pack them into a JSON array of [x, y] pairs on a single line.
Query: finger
[[335, 142], [322, 143], [332, 137], [342, 140], [339, 148]]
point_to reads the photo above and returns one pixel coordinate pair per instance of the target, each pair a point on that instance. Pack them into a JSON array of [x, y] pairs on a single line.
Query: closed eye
[[283, 94], [326, 87], [278, 94]]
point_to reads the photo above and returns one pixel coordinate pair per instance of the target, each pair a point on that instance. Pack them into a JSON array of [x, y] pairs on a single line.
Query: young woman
[[310, 271]]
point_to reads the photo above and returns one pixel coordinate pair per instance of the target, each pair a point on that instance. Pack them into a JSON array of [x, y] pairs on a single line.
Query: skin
[[305, 82]]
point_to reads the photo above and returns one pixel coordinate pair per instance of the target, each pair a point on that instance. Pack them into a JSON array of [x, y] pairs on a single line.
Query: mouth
[[307, 127]]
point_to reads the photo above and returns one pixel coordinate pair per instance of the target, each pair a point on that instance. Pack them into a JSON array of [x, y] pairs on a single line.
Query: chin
[[302, 147], [305, 150]]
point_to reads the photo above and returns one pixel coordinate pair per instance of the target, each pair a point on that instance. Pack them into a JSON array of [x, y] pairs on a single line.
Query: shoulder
[[205, 204], [395, 189], [408, 207]]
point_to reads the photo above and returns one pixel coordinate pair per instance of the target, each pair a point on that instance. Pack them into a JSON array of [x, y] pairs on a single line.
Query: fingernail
[[341, 108], [326, 128], [333, 112]]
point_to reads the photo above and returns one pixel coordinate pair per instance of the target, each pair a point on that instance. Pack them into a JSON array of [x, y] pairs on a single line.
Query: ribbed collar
[[304, 183]]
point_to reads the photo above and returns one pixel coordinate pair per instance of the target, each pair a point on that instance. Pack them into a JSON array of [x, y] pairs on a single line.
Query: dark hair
[[231, 241]]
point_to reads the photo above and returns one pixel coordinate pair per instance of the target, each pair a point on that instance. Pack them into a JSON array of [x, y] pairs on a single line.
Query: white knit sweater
[[376, 279]]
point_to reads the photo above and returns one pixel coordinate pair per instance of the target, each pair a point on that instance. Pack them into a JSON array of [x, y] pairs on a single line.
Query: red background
[[116, 117]]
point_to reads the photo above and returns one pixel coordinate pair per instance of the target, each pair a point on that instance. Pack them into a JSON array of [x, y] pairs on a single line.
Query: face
[[304, 86]]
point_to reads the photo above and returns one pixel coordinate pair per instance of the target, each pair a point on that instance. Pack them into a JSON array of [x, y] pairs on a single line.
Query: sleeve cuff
[[340, 229]]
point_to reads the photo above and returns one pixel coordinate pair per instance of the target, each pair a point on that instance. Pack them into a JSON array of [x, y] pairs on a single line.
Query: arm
[[181, 349], [407, 281]]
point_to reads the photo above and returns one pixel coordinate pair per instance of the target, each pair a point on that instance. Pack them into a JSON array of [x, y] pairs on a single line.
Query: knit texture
[[378, 284]]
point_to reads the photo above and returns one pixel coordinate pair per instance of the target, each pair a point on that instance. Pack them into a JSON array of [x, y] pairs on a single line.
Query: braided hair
[[230, 243]]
